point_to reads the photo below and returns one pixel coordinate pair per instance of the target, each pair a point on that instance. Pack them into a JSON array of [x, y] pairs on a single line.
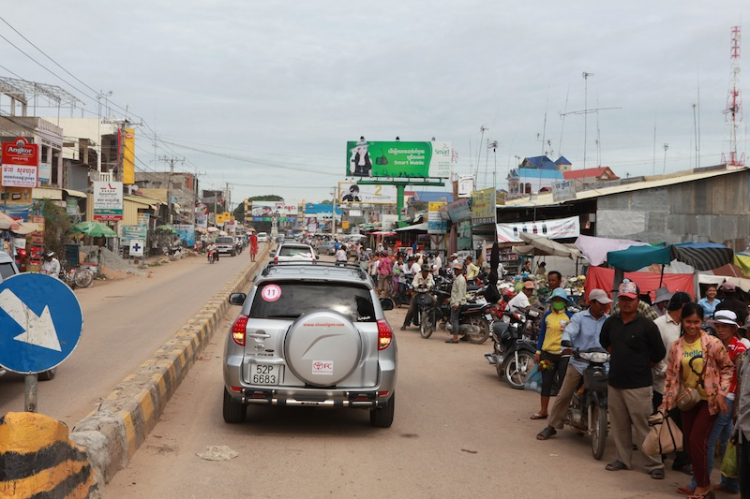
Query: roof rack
[[318, 264]]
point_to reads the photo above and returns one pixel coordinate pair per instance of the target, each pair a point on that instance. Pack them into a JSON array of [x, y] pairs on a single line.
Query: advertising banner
[[128, 156], [267, 211], [186, 234], [108, 201], [465, 185], [320, 210], [45, 173], [201, 215], [459, 210], [20, 161], [351, 192], [553, 229], [483, 206], [463, 232], [17, 195], [435, 222], [398, 159]]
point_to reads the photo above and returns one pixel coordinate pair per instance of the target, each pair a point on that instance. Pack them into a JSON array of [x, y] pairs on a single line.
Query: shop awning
[[419, 227]]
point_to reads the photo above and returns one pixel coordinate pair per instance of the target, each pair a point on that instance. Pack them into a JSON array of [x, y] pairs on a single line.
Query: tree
[[56, 226]]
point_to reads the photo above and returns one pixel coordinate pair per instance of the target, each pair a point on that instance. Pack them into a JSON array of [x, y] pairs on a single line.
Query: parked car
[[311, 335], [262, 237], [8, 269], [295, 252], [226, 244], [327, 248]]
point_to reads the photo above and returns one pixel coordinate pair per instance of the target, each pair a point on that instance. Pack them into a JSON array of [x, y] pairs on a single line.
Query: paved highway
[[125, 321]]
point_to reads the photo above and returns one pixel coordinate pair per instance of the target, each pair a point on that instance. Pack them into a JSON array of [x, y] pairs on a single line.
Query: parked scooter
[[588, 408], [514, 347], [475, 320]]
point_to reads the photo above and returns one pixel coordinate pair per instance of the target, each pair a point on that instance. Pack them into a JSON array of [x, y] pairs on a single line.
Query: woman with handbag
[[698, 379]]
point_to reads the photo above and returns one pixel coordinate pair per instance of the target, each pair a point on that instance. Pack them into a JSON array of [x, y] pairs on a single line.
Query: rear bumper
[[298, 396]]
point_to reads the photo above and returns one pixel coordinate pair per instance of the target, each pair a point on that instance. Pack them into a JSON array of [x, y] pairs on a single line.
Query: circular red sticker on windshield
[[272, 292]]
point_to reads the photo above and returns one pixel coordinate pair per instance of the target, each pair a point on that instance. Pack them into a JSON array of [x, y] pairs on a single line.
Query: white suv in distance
[[295, 252], [262, 237], [311, 335]]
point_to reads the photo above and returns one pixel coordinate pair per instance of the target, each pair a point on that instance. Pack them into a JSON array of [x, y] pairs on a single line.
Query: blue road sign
[[40, 323]]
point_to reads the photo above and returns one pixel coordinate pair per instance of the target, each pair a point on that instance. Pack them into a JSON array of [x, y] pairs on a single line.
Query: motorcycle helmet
[[49, 254]]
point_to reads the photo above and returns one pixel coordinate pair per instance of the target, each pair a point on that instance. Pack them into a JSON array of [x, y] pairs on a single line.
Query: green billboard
[[398, 159]]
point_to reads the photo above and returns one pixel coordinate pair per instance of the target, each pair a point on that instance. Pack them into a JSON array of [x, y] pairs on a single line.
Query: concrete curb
[[113, 432]]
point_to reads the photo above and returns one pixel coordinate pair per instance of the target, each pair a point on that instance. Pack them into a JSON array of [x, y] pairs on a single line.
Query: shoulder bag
[[689, 397]]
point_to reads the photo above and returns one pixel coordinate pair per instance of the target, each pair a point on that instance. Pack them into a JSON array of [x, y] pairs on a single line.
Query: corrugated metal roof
[[651, 182]]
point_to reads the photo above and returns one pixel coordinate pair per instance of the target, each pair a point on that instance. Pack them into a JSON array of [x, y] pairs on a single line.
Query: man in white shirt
[[415, 267], [51, 265], [438, 264], [422, 282], [519, 302]]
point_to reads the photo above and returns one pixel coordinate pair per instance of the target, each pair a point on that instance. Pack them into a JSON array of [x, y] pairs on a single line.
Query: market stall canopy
[[94, 229], [546, 246], [7, 223], [648, 282], [701, 256], [26, 228], [212, 229], [636, 257], [595, 249]]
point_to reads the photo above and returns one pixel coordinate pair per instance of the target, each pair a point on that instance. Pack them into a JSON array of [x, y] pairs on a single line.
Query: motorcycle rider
[[212, 247], [472, 271], [583, 332], [51, 265], [421, 281], [458, 298], [519, 302]]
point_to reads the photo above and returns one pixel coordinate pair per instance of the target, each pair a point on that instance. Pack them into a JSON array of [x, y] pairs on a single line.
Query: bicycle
[[81, 277]]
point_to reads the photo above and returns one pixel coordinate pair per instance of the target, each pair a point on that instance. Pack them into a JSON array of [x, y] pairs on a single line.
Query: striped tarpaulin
[[703, 256]]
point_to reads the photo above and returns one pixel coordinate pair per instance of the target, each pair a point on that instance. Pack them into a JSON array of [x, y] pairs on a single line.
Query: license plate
[[265, 374], [488, 317]]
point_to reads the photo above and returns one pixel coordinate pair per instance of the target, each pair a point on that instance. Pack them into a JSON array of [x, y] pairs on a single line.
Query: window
[[295, 251], [296, 298], [6, 270]]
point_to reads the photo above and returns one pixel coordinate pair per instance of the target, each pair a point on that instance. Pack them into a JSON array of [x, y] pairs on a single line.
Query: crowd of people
[[676, 357]]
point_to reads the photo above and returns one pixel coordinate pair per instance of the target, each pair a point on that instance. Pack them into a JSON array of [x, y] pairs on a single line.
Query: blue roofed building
[[522, 181]]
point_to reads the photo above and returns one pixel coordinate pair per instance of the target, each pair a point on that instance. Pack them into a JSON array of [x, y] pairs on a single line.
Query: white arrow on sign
[[39, 330]]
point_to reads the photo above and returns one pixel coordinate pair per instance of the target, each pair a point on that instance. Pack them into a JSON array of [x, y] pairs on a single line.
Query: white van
[[262, 237]]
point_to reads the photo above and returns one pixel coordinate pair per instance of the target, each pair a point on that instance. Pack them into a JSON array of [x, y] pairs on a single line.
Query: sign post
[[40, 326]]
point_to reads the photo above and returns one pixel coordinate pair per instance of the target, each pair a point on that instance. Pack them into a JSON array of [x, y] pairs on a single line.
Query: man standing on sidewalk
[[635, 345], [583, 333], [458, 299]]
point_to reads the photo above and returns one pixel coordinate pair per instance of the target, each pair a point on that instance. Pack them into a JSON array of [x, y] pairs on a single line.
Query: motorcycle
[[588, 408], [425, 312], [403, 295], [514, 346], [212, 257], [475, 320]]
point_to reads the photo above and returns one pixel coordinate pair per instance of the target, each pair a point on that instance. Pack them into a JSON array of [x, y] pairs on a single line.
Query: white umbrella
[[546, 246], [212, 229]]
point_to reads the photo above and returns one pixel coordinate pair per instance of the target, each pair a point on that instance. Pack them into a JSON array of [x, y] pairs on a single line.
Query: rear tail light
[[238, 330], [385, 334]]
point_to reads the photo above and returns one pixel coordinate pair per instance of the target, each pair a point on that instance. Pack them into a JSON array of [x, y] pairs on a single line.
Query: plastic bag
[[534, 380], [729, 461]]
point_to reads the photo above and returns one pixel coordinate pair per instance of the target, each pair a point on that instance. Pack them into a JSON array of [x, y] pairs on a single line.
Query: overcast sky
[[277, 88]]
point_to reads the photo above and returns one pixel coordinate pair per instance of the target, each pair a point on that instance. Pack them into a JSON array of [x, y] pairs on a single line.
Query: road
[[125, 321], [458, 432]]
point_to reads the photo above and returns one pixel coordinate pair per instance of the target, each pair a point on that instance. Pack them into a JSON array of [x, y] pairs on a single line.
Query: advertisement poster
[[128, 156], [562, 228], [459, 210], [320, 210], [107, 200], [45, 173], [483, 206], [464, 235], [267, 211], [398, 159], [186, 234], [351, 192], [20, 163], [435, 222]]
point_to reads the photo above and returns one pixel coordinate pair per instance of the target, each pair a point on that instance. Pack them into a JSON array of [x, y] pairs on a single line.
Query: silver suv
[[311, 335]]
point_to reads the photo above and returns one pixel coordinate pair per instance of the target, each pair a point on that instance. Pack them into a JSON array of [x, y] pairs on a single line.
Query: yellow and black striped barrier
[[38, 460]]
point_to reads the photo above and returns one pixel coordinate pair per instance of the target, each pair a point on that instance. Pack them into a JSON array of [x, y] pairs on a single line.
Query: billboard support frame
[[400, 188]]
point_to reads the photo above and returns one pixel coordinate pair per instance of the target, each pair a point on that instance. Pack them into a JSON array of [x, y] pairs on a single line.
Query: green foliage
[[56, 225], [268, 197]]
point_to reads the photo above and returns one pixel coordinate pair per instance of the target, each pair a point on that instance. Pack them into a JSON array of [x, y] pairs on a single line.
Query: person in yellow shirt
[[472, 271], [549, 356]]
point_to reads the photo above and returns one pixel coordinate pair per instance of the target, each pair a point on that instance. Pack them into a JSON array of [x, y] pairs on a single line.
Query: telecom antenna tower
[[733, 111]]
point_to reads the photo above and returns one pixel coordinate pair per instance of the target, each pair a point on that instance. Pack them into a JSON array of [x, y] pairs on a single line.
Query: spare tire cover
[[322, 347]]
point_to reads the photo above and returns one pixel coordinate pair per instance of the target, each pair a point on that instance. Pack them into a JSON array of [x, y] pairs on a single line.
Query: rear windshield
[[6, 270], [295, 251], [290, 300], [224, 240]]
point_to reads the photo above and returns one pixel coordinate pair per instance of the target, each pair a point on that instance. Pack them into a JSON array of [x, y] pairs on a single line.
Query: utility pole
[[335, 194], [666, 146], [585, 112], [171, 162]]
